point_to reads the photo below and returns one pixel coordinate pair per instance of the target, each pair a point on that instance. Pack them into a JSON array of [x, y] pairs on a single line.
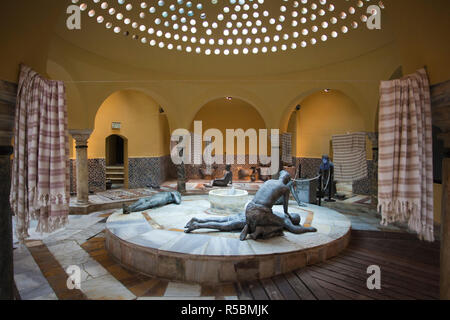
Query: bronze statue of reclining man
[[156, 200], [259, 221], [238, 221], [223, 182]]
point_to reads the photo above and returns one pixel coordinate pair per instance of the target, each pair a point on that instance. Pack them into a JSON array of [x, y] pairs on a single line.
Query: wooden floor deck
[[409, 270]]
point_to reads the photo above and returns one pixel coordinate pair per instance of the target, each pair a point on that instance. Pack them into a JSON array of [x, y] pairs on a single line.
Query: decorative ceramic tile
[[97, 174], [149, 171]]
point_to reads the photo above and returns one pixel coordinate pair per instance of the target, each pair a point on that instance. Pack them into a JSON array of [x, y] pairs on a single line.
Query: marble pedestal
[[154, 243]]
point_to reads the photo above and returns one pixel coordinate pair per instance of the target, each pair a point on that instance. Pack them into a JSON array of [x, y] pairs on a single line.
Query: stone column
[[81, 137], [7, 114]]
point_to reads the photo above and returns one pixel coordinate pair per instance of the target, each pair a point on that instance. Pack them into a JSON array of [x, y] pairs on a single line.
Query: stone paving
[[40, 264]]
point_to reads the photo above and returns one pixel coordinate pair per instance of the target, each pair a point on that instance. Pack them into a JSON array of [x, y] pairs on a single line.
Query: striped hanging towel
[[349, 157], [40, 171], [405, 170]]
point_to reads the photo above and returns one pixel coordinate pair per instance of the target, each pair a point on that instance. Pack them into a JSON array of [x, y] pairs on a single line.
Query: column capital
[[81, 136]]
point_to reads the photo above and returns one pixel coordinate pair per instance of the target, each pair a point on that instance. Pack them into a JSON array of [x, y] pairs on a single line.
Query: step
[[115, 179], [115, 167], [115, 173]]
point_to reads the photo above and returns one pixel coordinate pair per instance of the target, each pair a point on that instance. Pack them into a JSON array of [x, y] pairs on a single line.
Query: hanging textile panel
[[349, 157], [405, 172], [40, 172]]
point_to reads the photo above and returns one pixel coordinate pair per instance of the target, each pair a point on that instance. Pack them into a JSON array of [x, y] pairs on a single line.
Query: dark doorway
[[115, 151]]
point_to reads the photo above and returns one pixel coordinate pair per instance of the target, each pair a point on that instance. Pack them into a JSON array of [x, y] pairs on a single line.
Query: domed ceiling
[[227, 37]]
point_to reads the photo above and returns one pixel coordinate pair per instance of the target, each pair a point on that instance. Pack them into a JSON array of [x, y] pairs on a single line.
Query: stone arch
[[316, 124], [136, 116], [237, 93]]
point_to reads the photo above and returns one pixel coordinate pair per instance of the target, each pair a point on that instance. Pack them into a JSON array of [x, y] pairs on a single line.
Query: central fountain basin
[[228, 201]]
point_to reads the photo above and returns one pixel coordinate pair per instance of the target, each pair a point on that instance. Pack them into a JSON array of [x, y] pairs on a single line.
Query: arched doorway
[[314, 121], [114, 150], [131, 131], [116, 158]]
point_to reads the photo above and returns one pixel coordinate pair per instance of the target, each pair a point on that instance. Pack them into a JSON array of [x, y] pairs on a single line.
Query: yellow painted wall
[[26, 29], [321, 116], [226, 114], [421, 28], [142, 125]]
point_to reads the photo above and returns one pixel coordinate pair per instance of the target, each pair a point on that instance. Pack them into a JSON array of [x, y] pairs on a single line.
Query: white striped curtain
[[405, 172], [40, 171]]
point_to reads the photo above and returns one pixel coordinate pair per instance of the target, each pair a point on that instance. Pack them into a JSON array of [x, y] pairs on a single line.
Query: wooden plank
[[257, 291], [388, 263], [405, 282], [402, 249], [312, 284], [390, 266], [243, 291], [425, 284], [387, 282], [399, 261], [285, 288], [338, 296], [271, 289], [342, 291], [359, 285], [299, 287], [367, 234]]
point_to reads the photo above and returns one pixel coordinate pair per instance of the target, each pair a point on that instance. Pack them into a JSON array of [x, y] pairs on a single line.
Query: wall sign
[[116, 125]]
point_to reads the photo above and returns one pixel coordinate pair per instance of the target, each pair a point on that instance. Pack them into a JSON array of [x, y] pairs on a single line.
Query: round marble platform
[[154, 243]]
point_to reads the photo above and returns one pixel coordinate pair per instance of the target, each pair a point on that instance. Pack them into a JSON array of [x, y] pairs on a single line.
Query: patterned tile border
[[141, 172]]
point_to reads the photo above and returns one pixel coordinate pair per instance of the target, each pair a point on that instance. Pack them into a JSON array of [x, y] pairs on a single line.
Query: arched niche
[[319, 116], [229, 113], [138, 119]]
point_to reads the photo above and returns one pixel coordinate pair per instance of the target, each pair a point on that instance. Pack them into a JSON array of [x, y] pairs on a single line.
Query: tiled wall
[[193, 171], [97, 174], [310, 169], [141, 172]]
